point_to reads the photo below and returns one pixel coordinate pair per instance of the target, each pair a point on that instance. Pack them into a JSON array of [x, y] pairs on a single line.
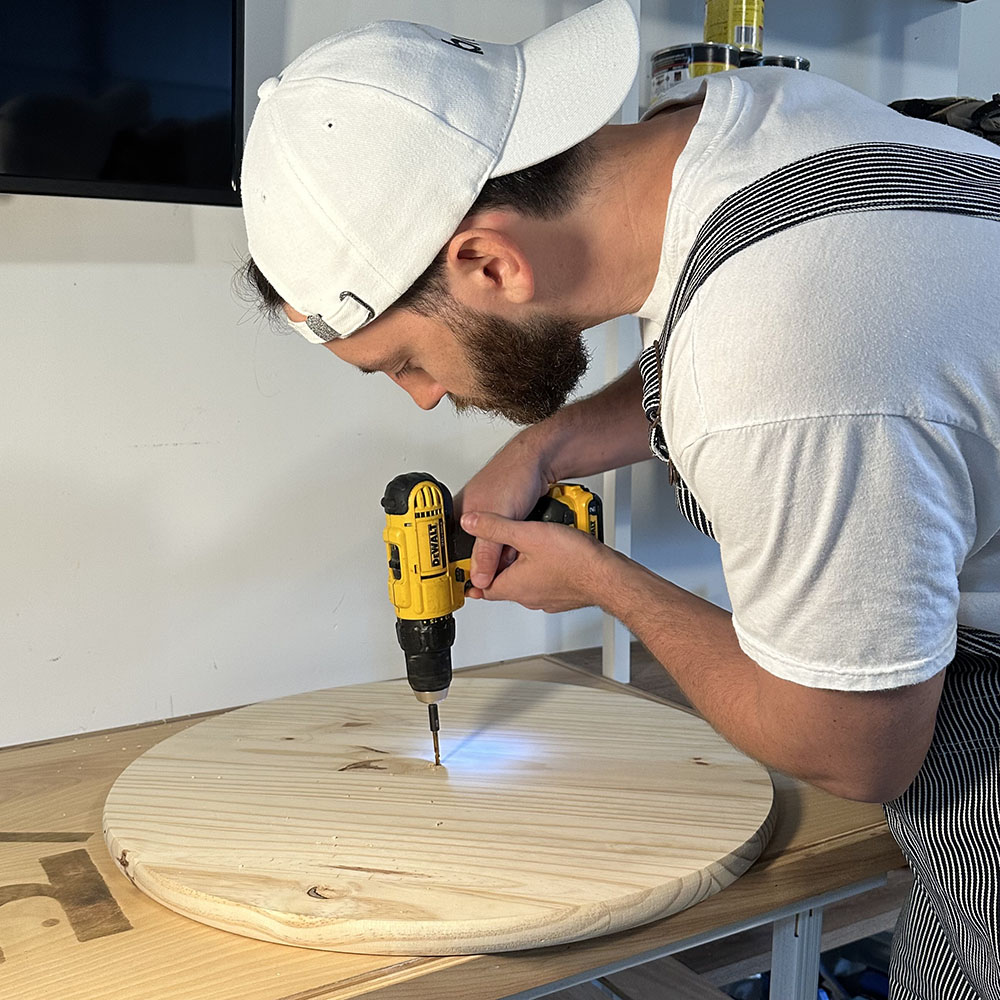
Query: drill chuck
[[426, 645]]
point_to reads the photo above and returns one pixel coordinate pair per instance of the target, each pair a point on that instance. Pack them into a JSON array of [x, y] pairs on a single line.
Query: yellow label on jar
[[735, 22], [704, 68]]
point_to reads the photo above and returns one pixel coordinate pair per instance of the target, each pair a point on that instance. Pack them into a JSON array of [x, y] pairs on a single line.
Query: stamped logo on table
[[73, 882]]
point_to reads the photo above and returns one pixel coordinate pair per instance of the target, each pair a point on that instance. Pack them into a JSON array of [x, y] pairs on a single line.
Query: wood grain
[[560, 813], [59, 786]]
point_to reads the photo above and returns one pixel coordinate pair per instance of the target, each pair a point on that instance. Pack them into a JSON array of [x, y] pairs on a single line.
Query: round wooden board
[[558, 813]]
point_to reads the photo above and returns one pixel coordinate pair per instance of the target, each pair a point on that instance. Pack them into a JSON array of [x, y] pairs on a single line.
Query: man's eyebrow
[[389, 363]]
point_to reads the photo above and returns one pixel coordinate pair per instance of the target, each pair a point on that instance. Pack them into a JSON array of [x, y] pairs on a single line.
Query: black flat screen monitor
[[122, 99]]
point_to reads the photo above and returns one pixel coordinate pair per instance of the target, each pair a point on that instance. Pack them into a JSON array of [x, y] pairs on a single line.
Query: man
[[821, 371]]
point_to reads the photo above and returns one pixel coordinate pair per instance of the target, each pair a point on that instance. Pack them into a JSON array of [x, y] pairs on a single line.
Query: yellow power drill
[[430, 566]]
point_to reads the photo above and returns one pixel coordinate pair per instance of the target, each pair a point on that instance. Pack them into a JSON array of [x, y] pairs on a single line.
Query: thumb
[[487, 553], [491, 527]]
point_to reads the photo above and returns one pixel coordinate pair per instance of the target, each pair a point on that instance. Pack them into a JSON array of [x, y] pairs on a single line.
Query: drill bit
[[435, 724]]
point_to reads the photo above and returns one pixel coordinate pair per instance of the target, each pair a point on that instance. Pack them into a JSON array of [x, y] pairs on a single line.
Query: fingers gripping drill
[[430, 567]]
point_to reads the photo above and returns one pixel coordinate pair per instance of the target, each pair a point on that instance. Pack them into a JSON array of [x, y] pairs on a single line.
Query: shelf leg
[[795, 944]]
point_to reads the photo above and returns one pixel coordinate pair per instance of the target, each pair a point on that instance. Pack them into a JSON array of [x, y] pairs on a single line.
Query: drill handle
[[460, 542], [552, 510]]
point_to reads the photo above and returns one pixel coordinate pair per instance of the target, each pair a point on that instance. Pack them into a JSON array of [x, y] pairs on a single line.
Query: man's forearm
[[862, 745], [696, 643], [604, 431]]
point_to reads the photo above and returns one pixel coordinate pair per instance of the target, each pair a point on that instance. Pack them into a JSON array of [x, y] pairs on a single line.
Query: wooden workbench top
[[72, 926]]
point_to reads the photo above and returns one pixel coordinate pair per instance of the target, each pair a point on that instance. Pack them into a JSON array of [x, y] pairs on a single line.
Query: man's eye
[[402, 372]]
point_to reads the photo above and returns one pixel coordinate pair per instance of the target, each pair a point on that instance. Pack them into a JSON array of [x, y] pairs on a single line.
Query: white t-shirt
[[832, 396]]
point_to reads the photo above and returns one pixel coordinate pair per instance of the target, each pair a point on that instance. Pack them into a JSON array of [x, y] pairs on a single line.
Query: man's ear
[[487, 269]]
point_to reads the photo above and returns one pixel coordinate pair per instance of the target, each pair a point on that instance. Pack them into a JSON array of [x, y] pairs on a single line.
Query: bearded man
[[820, 368]]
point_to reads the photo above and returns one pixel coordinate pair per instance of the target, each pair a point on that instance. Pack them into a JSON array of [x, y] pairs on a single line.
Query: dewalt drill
[[430, 566]]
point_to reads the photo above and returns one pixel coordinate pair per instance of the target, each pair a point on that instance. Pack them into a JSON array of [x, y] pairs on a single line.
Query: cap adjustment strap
[[352, 314]]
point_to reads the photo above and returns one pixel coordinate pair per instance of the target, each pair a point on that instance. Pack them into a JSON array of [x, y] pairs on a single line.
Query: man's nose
[[424, 391]]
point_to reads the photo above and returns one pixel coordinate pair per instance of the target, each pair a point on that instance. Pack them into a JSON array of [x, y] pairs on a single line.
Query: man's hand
[[555, 568], [601, 432], [509, 485]]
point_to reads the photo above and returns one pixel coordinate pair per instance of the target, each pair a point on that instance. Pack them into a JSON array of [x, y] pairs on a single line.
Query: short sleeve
[[842, 538]]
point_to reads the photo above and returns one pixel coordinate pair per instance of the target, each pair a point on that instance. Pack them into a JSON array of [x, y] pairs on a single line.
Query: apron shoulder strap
[[863, 177]]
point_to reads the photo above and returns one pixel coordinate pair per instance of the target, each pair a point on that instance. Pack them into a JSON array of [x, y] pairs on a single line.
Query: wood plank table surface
[[72, 926]]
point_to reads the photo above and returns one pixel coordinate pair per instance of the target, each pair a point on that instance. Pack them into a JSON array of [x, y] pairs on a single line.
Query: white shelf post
[[617, 486]]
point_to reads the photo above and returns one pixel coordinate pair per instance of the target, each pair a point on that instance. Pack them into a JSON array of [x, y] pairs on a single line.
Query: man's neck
[[601, 259], [625, 209]]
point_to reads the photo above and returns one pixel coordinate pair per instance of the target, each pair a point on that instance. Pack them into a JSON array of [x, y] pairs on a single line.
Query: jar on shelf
[[736, 22], [792, 62], [673, 65]]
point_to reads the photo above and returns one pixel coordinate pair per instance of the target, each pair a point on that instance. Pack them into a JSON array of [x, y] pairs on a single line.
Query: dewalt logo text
[[434, 543]]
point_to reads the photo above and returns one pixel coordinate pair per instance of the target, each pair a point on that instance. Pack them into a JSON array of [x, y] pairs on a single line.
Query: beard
[[524, 370]]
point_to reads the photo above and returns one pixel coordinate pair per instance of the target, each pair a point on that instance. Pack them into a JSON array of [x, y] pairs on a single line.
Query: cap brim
[[577, 73]]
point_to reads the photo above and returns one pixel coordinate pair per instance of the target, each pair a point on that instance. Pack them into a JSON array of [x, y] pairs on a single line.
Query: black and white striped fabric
[[947, 942], [947, 823], [864, 177]]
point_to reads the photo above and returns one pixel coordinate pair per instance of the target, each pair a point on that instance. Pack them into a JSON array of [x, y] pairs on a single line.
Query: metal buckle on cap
[[351, 302], [353, 314]]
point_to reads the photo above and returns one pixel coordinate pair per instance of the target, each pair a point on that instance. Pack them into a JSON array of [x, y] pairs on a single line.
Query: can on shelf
[[792, 62], [735, 22], [681, 62]]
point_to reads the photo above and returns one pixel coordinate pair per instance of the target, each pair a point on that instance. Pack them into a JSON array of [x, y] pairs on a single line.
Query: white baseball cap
[[367, 152]]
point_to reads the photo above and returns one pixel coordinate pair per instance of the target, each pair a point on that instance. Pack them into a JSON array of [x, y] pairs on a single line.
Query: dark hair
[[545, 190]]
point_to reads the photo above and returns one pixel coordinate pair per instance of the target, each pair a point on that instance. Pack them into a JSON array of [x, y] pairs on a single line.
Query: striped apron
[[947, 823]]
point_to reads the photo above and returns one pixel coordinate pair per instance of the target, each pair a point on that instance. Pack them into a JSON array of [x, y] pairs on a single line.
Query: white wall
[[978, 73], [189, 510]]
